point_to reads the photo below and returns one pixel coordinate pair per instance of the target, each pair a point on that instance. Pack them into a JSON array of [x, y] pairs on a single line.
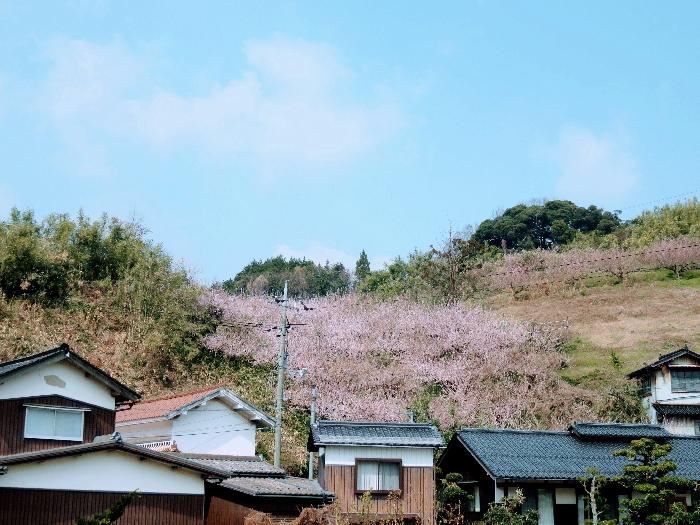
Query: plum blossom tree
[[372, 360]]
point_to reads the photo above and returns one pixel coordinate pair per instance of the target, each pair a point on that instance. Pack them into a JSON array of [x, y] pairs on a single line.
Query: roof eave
[[63, 353], [476, 457], [259, 418], [383, 445]]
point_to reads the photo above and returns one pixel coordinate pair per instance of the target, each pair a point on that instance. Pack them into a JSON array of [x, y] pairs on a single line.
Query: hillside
[[465, 335], [650, 313]]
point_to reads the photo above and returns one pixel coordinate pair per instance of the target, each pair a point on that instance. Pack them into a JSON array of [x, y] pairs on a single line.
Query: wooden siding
[[224, 512], [98, 421], [417, 497], [52, 507]]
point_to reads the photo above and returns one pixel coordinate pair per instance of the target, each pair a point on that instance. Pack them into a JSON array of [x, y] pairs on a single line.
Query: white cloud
[[593, 166], [319, 254], [283, 111]]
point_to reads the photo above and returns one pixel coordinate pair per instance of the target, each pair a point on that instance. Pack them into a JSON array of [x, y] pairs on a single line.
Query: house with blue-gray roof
[[547, 465], [393, 462], [670, 389]]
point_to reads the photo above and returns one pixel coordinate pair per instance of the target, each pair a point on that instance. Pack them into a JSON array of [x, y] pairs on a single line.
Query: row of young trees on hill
[[553, 244]]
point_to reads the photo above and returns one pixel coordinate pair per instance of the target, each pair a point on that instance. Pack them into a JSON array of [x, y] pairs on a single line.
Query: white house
[[208, 421], [671, 390]]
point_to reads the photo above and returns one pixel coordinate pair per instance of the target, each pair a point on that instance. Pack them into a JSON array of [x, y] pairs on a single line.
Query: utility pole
[[281, 365], [313, 421]]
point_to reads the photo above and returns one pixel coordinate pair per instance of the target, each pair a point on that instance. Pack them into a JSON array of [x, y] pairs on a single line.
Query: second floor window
[[378, 476], [53, 423], [685, 380]]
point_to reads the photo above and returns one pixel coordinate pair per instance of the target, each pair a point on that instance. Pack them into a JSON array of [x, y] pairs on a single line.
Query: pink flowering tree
[[374, 360], [550, 269]]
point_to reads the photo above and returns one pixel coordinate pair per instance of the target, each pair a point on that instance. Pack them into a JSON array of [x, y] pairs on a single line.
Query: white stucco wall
[[214, 429], [409, 456], [63, 379], [103, 471], [143, 430], [683, 426]]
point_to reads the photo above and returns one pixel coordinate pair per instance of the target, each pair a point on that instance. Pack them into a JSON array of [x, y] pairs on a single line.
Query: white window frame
[[55, 409]]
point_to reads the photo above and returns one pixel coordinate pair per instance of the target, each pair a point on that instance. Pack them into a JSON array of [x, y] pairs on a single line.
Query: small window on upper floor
[[697, 427], [62, 424], [685, 380], [645, 385], [378, 476]]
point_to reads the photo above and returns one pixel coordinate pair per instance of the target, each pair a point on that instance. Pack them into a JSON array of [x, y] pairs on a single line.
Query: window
[[53, 423], [378, 476], [685, 380], [697, 427], [645, 385]]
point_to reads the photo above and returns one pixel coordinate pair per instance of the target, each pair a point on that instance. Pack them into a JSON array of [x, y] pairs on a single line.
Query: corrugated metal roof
[[277, 487], [551, 455], [618, 430], [251, 466], [64, 352], [375, 433], [173, 404]]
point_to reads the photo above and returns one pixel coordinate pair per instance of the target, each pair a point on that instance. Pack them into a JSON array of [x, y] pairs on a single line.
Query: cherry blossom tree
[[373, 360]]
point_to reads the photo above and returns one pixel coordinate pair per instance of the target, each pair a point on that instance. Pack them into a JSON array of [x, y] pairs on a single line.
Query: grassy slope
[[650, 313]]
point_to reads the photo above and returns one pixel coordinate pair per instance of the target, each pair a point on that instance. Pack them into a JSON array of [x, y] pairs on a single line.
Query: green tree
[[305, 278], [362, 268], [553, 223], [650, 478], [452, 500], [508, 512]]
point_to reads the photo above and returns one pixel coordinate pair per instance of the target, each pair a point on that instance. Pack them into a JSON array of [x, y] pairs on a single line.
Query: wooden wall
[[52, 507], [417, 498], [225, 512], [98, 421]]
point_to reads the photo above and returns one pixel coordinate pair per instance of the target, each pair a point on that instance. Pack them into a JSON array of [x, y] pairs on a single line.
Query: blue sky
[[235, 131]]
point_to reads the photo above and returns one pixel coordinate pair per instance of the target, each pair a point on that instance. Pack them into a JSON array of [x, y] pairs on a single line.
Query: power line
[[662, 199]]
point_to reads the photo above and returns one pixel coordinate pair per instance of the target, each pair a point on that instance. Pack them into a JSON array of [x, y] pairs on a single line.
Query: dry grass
[[637, 321]]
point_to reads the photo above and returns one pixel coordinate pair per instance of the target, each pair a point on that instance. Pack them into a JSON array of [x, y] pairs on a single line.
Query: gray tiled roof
[[110, 442], [663, 359], [11, 366], [551, 455], [234, 465], [677, 410], [270, 487], [374, 433], [64, 352], [618, 430]]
